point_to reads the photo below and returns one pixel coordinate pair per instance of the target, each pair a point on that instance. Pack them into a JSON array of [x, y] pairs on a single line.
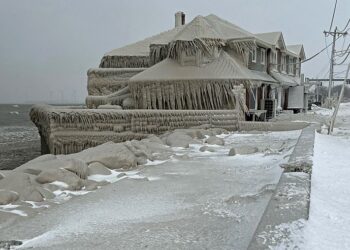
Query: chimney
[[179, 18]]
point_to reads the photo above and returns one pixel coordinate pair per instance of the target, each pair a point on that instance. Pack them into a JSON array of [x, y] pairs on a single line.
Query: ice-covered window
[[262, 56], [253, 54]]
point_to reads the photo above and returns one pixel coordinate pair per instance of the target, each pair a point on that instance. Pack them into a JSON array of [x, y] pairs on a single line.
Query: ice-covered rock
[[112, 155], [22, 184], [206, 148], [218, 131], [90, 185], [7, 197], [98, 168], [180, 139], [60, 175], [213, 140], [78, 167], [243, 150], [193, 133]]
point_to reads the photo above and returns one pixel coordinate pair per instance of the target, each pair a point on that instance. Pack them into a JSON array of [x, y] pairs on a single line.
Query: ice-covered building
[[179, 78]]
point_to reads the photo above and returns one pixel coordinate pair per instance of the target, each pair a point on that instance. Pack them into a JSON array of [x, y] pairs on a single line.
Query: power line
[[335, 7], [347, 24], [319, 52], [310, 58], [344, 59]]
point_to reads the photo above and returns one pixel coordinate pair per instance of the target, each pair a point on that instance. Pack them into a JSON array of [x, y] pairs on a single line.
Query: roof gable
[[297, 49], [274, 38]]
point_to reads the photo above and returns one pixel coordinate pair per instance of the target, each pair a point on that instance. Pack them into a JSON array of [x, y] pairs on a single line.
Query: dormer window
[[263, 56]]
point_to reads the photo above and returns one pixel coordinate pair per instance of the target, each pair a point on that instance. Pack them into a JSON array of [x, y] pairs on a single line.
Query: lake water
[[19, 138]]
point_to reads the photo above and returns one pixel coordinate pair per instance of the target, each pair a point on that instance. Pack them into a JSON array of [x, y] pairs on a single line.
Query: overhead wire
[[335, 8]]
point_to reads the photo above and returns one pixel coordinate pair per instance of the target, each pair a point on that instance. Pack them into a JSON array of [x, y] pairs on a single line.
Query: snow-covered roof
[[285, 80], [141, 48], [273, 38], [210, 26], [224, 67], [297, 49]]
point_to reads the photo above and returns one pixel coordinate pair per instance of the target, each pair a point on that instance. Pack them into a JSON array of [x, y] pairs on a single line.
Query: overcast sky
[[47, 46]]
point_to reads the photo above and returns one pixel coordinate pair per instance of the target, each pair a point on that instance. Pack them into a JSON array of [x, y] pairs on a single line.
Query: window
[[253, 54], [262, 56], [273, 59], [276, 60], [297, 67], [284, 63], [290, 66]]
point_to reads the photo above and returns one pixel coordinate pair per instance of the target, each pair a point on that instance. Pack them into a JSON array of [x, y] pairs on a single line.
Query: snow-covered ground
[[329, 220], [193, 200]]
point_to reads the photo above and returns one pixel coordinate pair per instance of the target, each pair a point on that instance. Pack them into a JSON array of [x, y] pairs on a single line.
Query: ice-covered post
[[239, 94]]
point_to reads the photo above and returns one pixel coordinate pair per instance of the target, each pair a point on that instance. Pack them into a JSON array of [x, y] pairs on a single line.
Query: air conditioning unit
[[270, 106]]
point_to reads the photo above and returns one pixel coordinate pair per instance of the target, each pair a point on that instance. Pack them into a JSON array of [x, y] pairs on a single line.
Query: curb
[[289, 203]]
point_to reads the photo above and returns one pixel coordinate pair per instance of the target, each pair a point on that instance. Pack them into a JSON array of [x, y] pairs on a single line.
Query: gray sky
[[46, 46]]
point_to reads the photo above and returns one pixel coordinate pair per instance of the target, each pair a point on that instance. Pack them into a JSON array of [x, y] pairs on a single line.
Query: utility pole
[[331, 126], [334, 34]]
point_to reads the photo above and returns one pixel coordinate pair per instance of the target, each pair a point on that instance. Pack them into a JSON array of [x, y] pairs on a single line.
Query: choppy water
[[19, 138]]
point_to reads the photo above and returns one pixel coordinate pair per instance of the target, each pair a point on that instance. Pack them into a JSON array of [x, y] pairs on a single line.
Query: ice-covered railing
[[72, 130]]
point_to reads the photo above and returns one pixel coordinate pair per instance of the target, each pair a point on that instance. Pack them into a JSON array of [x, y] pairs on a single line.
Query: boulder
[[7, 197], [97, 168], [78, 167], [90, 185], [36, 167], [179, 139], [193, 133], [112, 155], [206, 148], [243, 150], [139, 149], [21, 184], [46, 193], [218, 131], [61, 175], [213, 140]]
